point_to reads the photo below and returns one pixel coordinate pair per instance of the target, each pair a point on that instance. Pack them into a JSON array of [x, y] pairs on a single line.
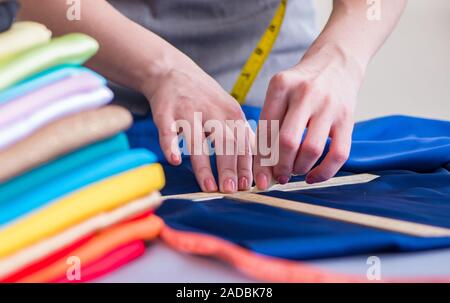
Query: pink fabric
[[266, 268], [24, 105], [111, 262]]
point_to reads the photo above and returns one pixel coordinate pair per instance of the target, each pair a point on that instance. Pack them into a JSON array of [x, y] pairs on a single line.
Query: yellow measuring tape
[[257, 58]]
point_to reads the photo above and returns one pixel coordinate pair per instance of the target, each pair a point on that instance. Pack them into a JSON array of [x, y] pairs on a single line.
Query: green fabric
[[72, 49], [61, 166]]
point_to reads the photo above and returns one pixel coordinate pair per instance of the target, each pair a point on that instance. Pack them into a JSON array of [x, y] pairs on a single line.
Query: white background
[[411, 73]]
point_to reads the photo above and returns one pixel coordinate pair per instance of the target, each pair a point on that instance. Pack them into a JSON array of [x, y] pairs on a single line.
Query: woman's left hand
[[318, 94]]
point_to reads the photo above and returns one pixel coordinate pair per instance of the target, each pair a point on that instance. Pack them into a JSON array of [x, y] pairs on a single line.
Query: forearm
[[129, 54], [351, 36]]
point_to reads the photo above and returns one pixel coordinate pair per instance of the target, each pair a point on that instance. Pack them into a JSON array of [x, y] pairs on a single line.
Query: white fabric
[[69, 105]]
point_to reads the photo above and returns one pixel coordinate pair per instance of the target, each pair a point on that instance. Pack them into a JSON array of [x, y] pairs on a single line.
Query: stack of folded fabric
[[72, 191]]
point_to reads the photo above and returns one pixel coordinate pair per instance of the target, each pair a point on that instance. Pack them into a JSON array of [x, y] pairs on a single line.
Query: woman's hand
[[318, 94], [185, 92]]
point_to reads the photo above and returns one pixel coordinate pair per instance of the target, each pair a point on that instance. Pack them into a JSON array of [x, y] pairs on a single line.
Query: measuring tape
[[257, 58]]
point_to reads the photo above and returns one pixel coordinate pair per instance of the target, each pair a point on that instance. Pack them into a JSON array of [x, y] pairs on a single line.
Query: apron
[[220, 35]]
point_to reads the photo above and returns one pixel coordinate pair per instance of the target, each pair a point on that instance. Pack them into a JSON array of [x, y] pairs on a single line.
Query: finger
[[291, 133], [168, 140], [341, 137], [227, 161], [199, 159], [273, 110], [312, 147], [245, 160]]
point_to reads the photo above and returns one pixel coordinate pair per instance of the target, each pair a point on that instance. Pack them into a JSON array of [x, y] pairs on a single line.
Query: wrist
[[332, 54], [152, 72]]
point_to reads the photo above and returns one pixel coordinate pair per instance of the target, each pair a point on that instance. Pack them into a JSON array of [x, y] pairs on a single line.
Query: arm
[[174, 85], [320, 92], [129, 54]]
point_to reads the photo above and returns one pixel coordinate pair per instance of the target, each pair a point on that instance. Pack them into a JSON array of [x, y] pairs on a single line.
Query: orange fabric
[[267, 268], [144, 229]]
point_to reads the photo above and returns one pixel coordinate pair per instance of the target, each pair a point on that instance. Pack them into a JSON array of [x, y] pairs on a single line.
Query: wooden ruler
[[293, 186], [394, 225], [378, 222]]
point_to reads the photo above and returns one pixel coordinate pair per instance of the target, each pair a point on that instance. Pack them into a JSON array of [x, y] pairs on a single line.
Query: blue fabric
[[42, 79], [83, 176], [411, 156], [63, 165]]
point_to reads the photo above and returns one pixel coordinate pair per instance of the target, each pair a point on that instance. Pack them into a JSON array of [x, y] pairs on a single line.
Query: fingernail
[[229, 186], [243, 183], [261, 181], [175, 158], [310, 179], [283, 179], [210, 185]]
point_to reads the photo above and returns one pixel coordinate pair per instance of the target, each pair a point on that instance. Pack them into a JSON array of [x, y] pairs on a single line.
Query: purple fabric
[[45, 96]]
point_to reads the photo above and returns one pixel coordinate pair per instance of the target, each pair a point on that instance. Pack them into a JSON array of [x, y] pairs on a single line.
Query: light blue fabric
[[76, 179], [42, 79], [35, 178]]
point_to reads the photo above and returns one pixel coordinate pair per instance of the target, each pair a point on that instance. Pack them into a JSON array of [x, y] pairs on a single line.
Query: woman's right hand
[[184, 92]]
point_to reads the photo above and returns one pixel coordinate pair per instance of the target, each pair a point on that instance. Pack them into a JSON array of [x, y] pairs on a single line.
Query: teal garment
[[39, 80], [38, 176], [76, 179]]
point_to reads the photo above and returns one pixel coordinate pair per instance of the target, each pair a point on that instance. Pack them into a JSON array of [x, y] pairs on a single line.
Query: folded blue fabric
[[61, 166], [83, 176], [42, 79], [411, 156]]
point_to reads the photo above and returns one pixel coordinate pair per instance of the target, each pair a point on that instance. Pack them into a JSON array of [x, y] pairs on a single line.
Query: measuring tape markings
[[259, 56]]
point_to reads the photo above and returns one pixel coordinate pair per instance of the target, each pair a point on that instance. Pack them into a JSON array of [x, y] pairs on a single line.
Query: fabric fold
[[33, 255], [61, 137], [79, 206], [65, 106], [100, 246], [73, 49], [46, 96], [20, 37], [73, 181], [112, 261], [58, 168], [39, 80], [270, 269]]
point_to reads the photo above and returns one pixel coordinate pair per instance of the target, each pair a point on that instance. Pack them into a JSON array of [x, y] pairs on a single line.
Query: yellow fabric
[[81, 205], [22, 36]]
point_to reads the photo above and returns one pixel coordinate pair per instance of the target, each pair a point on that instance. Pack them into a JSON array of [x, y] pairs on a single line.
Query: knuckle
[[279, 82], [235, 111], [166, 132], [203, 171], [312, 150], [227, 171], [346, 114], [309, 87], [340, 155], [244, 172], [288, 141]]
